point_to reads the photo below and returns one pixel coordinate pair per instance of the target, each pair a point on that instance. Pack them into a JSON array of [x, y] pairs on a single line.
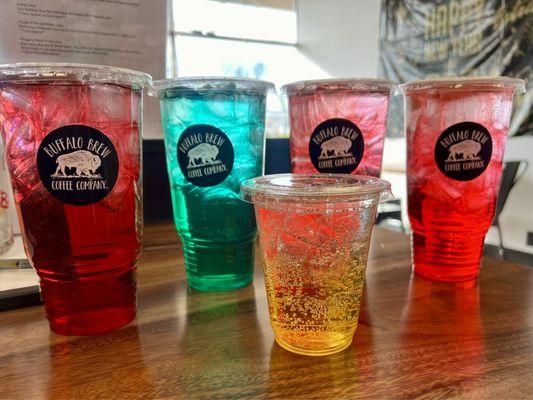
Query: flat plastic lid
[[66, 72], [322, 188], [331, 85], [211, 83], [465, 83]]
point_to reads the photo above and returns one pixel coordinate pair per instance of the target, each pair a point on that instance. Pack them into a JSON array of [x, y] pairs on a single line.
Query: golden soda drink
[[314, 232]]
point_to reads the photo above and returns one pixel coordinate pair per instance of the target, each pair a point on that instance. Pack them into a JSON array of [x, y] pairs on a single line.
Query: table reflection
[[444, 319], [220, 344], [119, 371]]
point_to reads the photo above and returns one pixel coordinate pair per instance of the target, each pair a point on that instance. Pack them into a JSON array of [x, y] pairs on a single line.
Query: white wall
[[340, 36]]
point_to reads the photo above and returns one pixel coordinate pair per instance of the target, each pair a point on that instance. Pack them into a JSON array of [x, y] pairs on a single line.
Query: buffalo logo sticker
[[336, 146], [77, 164], [463, 151], [205, 155]]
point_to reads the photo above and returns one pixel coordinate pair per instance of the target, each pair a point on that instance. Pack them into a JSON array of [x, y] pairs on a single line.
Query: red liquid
[[84, 255], [367, 110], [450, 218]]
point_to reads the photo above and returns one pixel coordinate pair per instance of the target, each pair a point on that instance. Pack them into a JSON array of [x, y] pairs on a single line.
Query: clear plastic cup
[[314, 232], [72, 135], [456, 131], [214, 138], [338, 125]]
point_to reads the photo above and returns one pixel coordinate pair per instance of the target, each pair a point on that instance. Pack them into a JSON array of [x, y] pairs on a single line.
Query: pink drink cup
[[338, 126]]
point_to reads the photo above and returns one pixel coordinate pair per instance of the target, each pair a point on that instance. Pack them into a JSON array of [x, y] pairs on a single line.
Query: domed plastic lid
[[210, 83], [465, 83], [66, 72], [332, 85], [321, 188]]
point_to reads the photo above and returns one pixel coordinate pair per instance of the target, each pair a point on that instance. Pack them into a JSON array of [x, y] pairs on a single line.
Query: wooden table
[[416, 339]]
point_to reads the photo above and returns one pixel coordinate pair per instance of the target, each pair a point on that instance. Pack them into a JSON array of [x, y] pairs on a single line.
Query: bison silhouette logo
[[205, 155], [463, 151], [82, 162], [77, 164], [336, 146]]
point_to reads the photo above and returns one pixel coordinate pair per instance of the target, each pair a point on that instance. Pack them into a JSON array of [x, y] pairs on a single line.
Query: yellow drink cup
[[314, 233]]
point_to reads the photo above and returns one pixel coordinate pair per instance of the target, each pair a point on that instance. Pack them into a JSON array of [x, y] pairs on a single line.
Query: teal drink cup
[[214, 139]]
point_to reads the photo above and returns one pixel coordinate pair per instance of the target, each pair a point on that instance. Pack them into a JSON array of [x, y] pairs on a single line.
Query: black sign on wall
[[422, 39]]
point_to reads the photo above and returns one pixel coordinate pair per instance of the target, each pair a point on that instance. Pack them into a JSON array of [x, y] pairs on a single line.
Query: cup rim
[[34, 72], [464, 83], [210, 83], [342, 84], [321, 188]]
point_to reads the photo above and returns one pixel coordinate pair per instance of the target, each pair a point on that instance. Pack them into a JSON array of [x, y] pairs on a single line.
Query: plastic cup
[[338, 126], [72, 137], [455, 131], [314, 231], [214, 139]]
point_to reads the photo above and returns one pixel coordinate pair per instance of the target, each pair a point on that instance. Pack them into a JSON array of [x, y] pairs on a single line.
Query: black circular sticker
[[205, 155], [77, 164], [463, 151], [336, 146]]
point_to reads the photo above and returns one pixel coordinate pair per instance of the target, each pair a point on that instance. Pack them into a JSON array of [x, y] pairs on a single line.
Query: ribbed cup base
[[215, 266], [450, 258], [91, 305], [314, 345]]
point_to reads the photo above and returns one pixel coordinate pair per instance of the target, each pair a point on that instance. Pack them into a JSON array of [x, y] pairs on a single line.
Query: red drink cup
[[338, 126], [72, 137], [456, 131]]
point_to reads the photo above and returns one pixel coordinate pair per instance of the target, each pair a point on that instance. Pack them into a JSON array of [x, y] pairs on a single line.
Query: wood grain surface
[[416, 339]]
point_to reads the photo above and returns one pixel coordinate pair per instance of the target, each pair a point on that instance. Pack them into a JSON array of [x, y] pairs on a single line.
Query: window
[[241, 38]]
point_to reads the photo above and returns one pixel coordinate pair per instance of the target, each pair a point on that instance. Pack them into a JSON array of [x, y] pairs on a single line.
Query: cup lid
[[331, 85], [86, 73], [210, 83], [323, 188], [465, 83]]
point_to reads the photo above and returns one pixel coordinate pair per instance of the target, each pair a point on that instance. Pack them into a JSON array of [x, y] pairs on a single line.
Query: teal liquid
[[217, 229]]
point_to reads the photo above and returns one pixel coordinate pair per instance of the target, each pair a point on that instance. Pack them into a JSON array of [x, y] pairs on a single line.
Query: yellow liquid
[[314, 302]]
